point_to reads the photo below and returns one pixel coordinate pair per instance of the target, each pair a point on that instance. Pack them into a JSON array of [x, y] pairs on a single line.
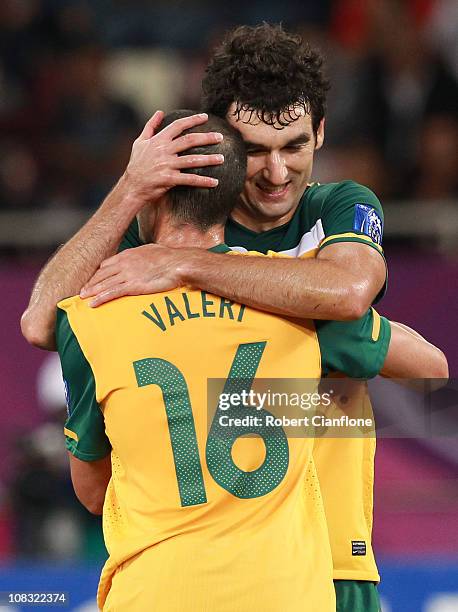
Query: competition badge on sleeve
[[368, 221]]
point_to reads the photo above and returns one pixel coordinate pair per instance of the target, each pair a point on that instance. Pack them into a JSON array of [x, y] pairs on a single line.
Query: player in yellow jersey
[[197, 519], [193, 520]]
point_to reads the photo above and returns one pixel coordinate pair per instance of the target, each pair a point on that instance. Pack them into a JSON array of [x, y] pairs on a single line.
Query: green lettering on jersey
[[206, 302], [180, 420], [156, 319], [221, 439], [226, 305], [172, 311], [190, 314]]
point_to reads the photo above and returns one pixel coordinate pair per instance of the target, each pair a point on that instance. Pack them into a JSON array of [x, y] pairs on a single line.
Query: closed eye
[[254, 151], [294, 148]]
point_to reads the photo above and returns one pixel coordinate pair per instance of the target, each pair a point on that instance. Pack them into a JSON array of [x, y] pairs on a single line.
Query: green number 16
[[180, 419]]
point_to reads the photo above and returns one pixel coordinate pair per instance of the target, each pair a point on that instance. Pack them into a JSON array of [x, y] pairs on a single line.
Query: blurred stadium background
[[77, 80]]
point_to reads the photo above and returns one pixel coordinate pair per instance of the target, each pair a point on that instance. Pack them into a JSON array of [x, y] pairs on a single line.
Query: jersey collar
[[220, 248]]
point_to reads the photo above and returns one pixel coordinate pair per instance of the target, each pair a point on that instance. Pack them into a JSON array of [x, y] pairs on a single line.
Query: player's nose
[[275, 170]]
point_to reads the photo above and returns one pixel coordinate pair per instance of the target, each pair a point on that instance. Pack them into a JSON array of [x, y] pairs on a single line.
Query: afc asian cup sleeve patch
[[368, 221]]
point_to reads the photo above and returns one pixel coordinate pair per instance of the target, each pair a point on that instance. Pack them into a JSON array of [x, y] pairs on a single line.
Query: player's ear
[[320, 135]]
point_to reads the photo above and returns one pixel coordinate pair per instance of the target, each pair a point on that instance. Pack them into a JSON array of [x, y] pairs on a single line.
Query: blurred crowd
[[78, 78], [40, 516]]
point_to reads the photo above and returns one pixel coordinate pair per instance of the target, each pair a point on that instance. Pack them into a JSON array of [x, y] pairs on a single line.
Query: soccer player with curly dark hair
[[268, 73], [269, 85]]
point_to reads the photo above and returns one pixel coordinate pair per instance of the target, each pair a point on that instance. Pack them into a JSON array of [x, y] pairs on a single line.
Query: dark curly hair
[[267, 71]]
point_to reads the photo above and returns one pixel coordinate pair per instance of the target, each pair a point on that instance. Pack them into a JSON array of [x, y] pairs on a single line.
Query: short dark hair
[[267, 71], [207, 207]]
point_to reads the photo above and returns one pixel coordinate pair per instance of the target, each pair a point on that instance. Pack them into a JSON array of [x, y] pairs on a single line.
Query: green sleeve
[[85, 427], [355, 348], [352, 213], [131, 238]]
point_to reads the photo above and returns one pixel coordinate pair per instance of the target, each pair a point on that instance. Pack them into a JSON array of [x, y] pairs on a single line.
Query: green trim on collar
[[220, 248]]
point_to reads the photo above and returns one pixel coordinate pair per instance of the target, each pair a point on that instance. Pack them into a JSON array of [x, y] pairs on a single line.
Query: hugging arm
[[154, 167], [339, 284], [411, 356]]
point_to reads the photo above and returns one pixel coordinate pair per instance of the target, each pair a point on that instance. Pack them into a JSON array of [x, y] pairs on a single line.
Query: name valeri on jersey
[[368, 221], [166, 312]]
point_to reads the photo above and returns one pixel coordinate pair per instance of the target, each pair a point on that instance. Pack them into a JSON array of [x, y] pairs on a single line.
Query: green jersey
[[335, 212]]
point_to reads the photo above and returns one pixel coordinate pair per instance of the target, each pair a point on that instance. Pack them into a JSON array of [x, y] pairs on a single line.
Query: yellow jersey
[[345, 467], [345, 464], [194, 520], [328, 214]]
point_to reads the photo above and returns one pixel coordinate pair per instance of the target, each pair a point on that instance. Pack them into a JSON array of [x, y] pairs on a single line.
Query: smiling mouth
[[274, 191]]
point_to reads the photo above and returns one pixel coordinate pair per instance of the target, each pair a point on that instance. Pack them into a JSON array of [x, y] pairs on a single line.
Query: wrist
[[189, 268], [131, 195]]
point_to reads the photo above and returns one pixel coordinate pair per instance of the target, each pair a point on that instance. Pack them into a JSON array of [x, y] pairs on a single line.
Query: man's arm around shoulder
[[153, 168], [340, 284]]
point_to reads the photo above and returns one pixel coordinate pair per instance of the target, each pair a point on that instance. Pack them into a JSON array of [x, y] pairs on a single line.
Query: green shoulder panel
[[355, 348], [85, 427], [329, 213], [349, 212], [131, 238]]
